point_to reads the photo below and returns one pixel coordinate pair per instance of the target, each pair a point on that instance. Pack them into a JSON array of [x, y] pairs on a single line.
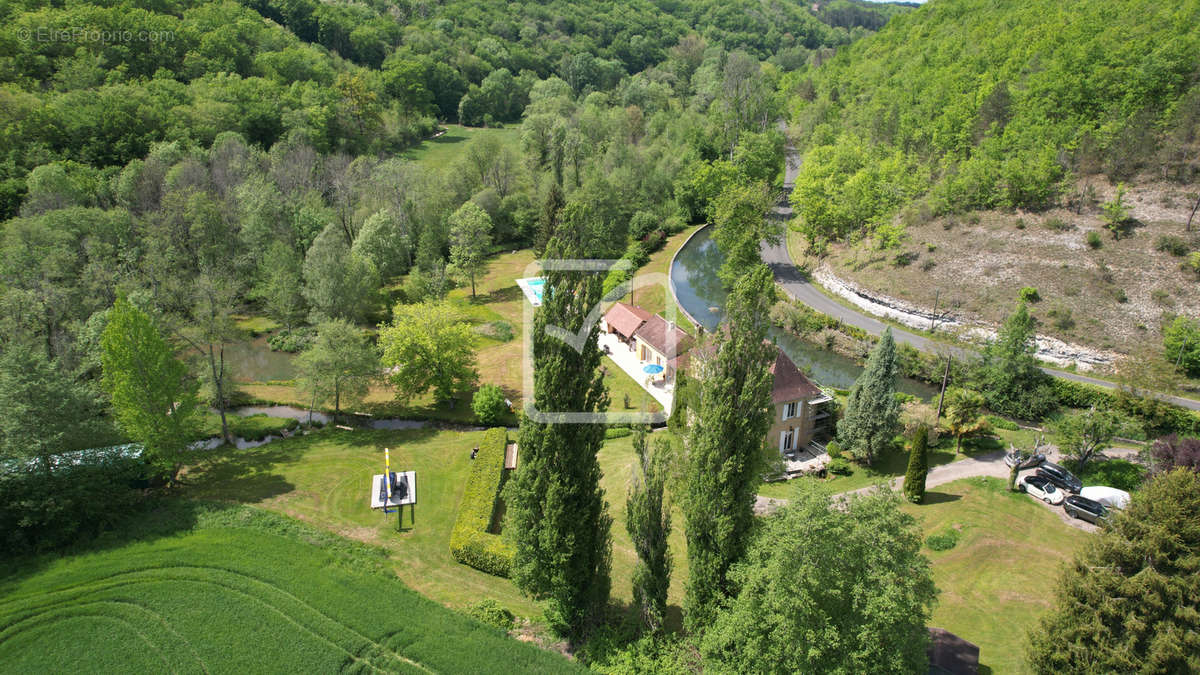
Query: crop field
[[236, 589]]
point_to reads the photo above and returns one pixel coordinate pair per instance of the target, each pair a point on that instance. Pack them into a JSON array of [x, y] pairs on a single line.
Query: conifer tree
[[557, 516], [918, 466], [726, 443], [1130, 601], [648, 521], [872, 412]]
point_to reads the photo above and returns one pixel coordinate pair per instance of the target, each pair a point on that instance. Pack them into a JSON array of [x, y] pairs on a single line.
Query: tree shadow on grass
[[939, 498], [505, 293]]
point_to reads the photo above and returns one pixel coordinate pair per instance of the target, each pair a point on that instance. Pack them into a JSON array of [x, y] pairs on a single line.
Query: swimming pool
[[532, 287]]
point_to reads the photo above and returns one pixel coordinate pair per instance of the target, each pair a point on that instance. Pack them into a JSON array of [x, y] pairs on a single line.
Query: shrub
[[471, 542], [834, 450], [292, 341], [942, 540], [489, 406], [40, 512], [1119, 473], [1093, 239], [840, 467], [1059, 225], [617, 432], [642, 224], [1001, 423], [1120, 296], [1028, 294], [492, 613], [1171, 244]]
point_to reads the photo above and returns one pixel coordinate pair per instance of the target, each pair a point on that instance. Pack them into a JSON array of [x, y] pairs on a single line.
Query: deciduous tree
[[740, 225], [557, 516], [1008, 375], [338, 366], [428, 346], [1082, 434], [153, 399], [828, 589], [470, 238]]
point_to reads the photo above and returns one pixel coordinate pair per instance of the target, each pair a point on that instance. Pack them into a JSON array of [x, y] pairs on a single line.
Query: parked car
[[1085, 509], [1060, 477], [1041, 488], [1108, 496], [1024, 461]]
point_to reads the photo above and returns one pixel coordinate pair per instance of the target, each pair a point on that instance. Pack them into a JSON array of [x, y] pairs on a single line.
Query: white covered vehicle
[[1108, 496]]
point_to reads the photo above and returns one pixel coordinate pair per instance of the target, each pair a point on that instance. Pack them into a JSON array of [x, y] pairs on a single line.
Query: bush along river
[[701, 295]]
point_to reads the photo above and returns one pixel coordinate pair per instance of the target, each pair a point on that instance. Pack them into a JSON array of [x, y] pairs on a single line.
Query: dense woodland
[[972, 104], [244, 157]]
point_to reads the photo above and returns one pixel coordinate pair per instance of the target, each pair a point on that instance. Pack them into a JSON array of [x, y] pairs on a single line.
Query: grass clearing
[[440, 152], [235, 589], [1000, 574], [322, 479]]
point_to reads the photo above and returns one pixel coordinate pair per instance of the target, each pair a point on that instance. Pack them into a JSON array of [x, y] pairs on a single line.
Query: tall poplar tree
[[725, 444], [872, 412], [648, 521], [557, 516], [1008, 375]]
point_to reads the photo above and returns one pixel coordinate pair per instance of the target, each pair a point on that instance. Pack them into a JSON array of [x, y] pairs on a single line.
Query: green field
[[236, 589], [442, 151], [1001, 574]]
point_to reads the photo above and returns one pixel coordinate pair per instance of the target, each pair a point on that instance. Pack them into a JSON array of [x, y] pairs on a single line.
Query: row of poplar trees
[[557, 513]]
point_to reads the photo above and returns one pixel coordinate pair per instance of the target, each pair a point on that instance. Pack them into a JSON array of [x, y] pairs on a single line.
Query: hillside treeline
[[975, 104]]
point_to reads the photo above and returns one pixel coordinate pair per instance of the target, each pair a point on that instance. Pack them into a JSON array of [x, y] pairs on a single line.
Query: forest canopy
[[979, 105]]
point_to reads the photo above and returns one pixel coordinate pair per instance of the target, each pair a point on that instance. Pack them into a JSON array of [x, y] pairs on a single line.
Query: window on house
[[788, 439], [789, 410]]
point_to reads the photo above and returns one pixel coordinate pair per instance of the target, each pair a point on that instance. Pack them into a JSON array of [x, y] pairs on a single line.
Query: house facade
[[802, 412]]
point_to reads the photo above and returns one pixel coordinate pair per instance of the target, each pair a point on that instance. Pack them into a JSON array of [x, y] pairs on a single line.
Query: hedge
[[1157, 417], [470, 542]]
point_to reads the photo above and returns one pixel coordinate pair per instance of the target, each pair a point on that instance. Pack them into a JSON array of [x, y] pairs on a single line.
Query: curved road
[[797, 285]]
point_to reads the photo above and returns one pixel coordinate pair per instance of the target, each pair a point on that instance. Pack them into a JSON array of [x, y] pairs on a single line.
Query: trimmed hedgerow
[[471, 543]]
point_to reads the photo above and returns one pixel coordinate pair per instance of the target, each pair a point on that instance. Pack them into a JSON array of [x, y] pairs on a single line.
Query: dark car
[[1085, 509], [1060, 477]]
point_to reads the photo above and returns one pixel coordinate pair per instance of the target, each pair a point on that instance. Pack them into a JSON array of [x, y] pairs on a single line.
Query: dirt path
[[991, 464]]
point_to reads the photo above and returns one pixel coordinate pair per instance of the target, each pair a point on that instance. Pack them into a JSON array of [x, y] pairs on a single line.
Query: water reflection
[[700, 293]]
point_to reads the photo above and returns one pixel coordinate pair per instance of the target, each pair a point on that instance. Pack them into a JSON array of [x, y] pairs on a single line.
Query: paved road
[[797, 285]]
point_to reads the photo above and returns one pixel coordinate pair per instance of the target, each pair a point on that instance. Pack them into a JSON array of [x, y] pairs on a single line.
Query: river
[[700, 293]]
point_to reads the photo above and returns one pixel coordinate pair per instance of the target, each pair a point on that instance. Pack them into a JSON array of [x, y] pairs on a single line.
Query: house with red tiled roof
[[801, 411], [653, 339]]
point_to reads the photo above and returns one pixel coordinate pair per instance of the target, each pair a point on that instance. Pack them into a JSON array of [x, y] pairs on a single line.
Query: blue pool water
[[536, 286]]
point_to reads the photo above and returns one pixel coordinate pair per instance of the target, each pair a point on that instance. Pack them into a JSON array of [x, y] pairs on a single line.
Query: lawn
[[322, 479], [440, 152], [197, 589], [656, 297], [1000, 576], [894, 464]]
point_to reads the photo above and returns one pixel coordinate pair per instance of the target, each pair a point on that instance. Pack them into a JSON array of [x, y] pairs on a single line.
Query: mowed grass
[[238, 590], [323, 479], [440, 152], [1000, 577]]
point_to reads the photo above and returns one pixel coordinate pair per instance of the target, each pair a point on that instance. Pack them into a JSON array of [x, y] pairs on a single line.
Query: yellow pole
[[387, 474]]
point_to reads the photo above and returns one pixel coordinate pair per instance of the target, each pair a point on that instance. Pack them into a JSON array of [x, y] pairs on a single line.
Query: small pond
[[253, 361]]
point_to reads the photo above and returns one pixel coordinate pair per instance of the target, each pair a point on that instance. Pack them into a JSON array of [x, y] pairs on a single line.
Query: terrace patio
[[626, 358]]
